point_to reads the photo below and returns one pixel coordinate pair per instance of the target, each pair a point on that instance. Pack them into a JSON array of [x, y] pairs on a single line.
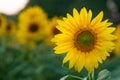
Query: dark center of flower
[[85, 38], [56, 31], [84, 41], [33, 28], [8, 28]]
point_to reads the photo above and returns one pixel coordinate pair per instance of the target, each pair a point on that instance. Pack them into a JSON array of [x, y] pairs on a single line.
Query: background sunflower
[[33, 22], [10, 28], [117, 41], [52, 30], [3, 23]]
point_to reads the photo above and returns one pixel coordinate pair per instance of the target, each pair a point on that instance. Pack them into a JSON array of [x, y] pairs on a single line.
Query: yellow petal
[[89, 65], [68, 56], [97, 19], [72, 21], [64, 27], [61, 38], [73, 59], [98, 55], [76, 16], [68, 22], [80, 62], [89, 17], [83, 17], [109, 46], [61, 50], [110, 29]]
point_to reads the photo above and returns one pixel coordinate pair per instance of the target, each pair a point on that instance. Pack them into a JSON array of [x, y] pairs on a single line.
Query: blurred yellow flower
[[86, 41], [117, 41], [3, 23], [10, 28], [23, 40], [7, 30], [32, 23], [52, 30]]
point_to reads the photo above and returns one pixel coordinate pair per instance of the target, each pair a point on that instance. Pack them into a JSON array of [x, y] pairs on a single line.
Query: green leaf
[[66, 65], [65, 77], [104, 75]]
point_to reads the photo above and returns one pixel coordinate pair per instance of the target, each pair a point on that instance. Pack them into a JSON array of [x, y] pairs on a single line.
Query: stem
[[76, 77], [91, 76]]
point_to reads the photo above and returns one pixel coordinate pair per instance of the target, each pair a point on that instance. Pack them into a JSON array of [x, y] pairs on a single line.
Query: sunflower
[[23, 40], [86, 42], [32, 22], [117, 41], [52, 30], [3, 23], [10, 28]]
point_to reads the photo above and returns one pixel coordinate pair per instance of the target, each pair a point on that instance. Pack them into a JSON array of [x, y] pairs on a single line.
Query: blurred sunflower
[[52, 30], [84, 40], [22, 39], [10, 28], [3, 23], [117, 41], [32, 24]]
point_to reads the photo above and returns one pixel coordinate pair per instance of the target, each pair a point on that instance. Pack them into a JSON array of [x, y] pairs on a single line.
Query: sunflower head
[[21, 39], [3, 23], [10, 28], [84, 40], [52, 30], [117, 41], [33, 22], [52, 26]]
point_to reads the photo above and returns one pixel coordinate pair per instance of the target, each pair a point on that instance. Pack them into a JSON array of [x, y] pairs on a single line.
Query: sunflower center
[[8, 27], [33, 28], [85, 41], [85, 38], [56, 31]]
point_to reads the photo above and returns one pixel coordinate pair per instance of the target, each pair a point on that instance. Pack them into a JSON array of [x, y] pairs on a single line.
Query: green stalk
[[91, 76]]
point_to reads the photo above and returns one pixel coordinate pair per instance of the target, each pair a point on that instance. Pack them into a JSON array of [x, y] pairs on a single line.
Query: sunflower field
[[60, 40]]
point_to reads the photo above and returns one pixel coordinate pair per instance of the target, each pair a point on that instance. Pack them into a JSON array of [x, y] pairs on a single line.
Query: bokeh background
[[19, 62]]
